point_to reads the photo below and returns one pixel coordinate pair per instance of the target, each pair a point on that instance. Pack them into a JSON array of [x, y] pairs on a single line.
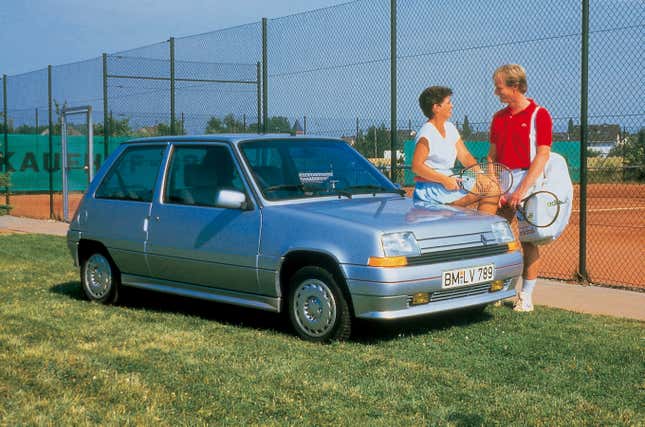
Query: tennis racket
[[483, 179], [486, 179], [540, 209]]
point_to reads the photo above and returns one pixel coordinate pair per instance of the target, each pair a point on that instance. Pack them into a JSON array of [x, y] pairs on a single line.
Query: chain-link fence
[[330, 71]]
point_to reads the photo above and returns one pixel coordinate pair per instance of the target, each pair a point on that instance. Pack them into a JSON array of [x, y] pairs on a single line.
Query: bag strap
[[533, 133]]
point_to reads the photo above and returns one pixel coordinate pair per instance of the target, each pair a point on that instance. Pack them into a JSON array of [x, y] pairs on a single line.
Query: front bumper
[[398, 307], [386, 293]]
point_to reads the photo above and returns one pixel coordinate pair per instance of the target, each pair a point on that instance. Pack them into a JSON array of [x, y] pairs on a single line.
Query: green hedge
[[5, 182]]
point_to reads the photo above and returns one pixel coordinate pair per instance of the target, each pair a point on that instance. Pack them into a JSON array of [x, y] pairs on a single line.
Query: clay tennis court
[[615, 228], [615, 242]]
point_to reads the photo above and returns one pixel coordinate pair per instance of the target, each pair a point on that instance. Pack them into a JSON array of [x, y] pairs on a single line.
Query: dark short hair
[[433, 95]]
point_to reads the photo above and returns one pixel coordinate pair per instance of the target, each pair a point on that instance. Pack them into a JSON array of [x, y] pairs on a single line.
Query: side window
[[133, 175], [198, 174]]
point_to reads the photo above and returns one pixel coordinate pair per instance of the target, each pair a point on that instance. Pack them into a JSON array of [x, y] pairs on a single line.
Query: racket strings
[[487, 179]]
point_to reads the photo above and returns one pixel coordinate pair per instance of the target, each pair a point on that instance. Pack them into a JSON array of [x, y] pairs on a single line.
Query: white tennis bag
[[555, 179]]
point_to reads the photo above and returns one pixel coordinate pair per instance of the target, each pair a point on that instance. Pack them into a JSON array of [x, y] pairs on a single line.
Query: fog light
[[420, 298], [497, 285]]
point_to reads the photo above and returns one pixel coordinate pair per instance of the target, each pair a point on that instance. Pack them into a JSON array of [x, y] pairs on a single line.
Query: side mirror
[[231, 199]]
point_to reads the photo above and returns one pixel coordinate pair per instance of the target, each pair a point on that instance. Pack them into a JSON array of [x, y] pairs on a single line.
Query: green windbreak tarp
[[28, 159], [479, 149]]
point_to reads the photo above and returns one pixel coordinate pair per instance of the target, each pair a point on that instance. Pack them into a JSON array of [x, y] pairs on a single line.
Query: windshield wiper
[[343, 193], [285, 187], [376, 189]]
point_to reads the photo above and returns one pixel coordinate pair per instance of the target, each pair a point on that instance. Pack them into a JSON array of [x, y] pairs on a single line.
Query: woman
[[438, 145]]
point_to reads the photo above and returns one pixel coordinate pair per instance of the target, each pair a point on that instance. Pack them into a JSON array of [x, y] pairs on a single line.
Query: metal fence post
[[51, 142], [5, 158], [356, 141], [265, 78], [106, 121], [172, 86], [393, 127], [259, 89], [584, 89]]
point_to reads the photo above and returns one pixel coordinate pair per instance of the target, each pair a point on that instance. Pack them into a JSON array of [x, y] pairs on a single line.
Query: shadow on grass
[[139, 299], [363, 331], [373, 331], [69, 289]]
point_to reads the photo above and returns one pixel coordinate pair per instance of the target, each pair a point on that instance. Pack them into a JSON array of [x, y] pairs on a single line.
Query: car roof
[[232, 138]]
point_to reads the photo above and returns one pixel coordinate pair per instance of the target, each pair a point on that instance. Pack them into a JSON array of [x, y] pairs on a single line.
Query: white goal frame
[[89, 165]]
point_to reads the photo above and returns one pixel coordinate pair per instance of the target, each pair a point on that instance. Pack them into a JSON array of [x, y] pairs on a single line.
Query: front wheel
[[317, 307], [100, 279]]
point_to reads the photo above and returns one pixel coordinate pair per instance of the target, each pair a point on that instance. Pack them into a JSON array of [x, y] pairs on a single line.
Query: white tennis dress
[[441, 158]]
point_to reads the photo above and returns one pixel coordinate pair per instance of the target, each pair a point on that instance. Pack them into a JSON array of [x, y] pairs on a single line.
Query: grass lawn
[[169, 360]]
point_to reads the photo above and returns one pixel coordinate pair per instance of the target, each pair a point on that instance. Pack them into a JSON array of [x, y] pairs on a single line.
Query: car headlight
[[502, 232], [400, 244]]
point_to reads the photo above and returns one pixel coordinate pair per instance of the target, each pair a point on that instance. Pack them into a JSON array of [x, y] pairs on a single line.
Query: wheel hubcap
[[314, 307], [98, 276]]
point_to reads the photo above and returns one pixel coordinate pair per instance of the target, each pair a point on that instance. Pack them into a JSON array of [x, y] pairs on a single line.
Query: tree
[[231, 125], [374, 141], [466, 131], [632, 150], [571, 129], [26, 129], [278, 124], [163, 128], [214, 125], [9, 128], [116, 127]]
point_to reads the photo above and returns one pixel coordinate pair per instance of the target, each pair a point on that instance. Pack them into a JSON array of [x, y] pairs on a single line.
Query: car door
[[192, 240], [117, 214]]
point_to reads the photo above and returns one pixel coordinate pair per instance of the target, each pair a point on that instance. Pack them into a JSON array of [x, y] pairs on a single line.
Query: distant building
[[297, 129], [603, 138]]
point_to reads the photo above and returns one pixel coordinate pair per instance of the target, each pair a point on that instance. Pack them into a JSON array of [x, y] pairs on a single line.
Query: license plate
[[468, 276]]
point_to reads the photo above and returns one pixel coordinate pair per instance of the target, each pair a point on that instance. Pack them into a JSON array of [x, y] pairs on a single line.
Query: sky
[[37, 33], [329, 65]]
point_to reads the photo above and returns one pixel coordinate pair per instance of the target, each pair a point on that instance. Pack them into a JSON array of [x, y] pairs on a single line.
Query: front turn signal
[[514, 246], [388, 261]]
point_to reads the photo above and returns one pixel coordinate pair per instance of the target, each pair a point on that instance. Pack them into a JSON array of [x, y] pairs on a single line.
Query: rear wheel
[[100, 278], [317, 307]]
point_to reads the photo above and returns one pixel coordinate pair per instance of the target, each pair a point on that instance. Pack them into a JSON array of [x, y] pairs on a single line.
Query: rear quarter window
[[133, 175]]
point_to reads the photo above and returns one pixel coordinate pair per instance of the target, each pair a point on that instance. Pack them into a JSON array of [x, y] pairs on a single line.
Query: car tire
[[100, 278], [318, 310]]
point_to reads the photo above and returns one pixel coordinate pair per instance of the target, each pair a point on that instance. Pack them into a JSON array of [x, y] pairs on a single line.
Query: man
[[510, 144]]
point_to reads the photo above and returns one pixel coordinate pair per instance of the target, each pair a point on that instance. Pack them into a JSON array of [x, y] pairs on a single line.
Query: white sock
[[527, 291]]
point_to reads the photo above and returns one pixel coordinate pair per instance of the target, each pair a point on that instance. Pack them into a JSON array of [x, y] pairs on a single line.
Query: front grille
[[464, 291], [457, 254]]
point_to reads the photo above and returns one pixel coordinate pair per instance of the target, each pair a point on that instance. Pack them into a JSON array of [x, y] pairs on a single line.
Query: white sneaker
[[522, 303]]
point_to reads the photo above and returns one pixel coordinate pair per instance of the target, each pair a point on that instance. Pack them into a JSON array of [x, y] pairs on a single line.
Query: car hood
[[394, 213]]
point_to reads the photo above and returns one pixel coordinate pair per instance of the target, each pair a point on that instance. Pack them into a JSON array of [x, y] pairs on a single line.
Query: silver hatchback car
[[302, 225]]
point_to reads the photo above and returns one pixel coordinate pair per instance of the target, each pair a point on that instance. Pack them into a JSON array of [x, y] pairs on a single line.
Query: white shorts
[[518, 176]]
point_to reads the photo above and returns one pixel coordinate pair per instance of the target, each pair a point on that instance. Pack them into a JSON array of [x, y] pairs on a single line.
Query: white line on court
[[610, 209]]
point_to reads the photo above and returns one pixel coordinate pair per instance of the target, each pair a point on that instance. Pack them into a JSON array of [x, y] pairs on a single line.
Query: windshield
[[296, 169]]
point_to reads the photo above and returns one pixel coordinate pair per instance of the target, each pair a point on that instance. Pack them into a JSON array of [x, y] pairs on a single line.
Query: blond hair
[[513, 75]]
